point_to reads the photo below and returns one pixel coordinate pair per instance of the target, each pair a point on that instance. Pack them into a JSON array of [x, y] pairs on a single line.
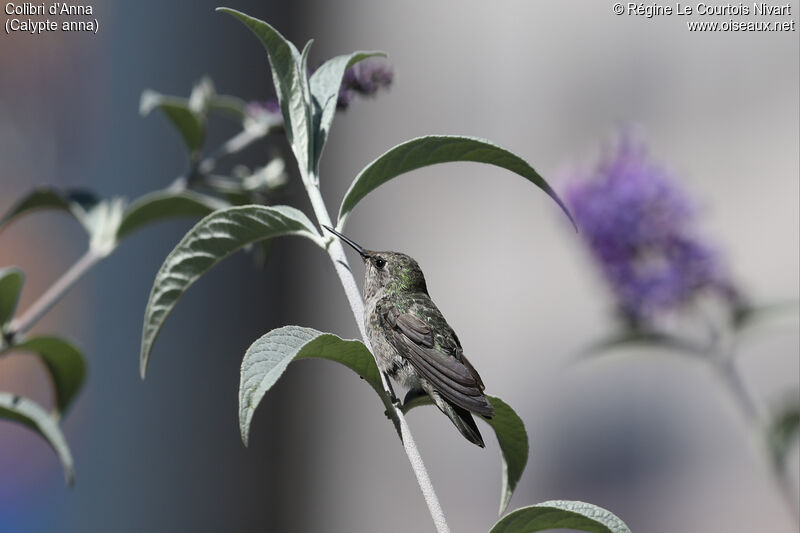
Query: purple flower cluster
[[364, 79], [638, 224]]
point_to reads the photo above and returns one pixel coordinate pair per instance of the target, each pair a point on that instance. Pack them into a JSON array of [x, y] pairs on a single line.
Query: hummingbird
[[414, 344]]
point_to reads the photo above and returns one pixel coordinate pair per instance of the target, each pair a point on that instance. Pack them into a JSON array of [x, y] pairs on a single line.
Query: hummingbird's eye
[[379, 263]]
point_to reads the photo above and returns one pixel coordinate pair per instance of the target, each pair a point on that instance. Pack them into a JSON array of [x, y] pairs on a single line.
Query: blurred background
[[652, 438]]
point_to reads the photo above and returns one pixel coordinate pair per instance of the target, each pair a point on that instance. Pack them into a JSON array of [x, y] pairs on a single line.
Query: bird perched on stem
[[414, 344]]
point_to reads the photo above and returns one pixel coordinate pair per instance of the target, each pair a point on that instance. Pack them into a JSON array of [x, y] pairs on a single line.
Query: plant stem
[[337, 256], [726, 367], [52, 295], [235, 144], [755, 418]]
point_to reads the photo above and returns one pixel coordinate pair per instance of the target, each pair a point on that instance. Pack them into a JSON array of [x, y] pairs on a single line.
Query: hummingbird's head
[[392, 272], [388, 271]]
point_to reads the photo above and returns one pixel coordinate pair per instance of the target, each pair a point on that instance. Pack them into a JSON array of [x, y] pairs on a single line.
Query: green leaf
[[325, 84], [230, 106], [76, 202], [291, 84], [783, 430], [214, 238], [513, 441], [64, 362], [99, 218], [267, 358], [11, 280], [432, 150], [162, 205], [560, 514], [644, 338], [29, 413], [511, 436], [189, 122], [747, 317]]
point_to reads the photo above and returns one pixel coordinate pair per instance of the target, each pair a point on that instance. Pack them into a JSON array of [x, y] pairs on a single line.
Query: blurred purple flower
[[263, 106], [364, 79], [637, 222], [264, 112]]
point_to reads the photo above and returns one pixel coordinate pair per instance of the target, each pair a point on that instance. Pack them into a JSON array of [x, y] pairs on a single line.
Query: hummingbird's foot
[[394, 399], [392, 395]]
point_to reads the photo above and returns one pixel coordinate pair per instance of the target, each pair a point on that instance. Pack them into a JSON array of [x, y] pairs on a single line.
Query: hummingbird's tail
[[466, 424], [461, 418]]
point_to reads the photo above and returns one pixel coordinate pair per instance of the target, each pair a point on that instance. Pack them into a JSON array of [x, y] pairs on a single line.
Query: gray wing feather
[[455, 380]]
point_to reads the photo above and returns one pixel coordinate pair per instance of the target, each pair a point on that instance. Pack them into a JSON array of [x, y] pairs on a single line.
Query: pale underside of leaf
[[212, 239], [267, 358], [560, 514], [29, 413], [291, 84], [325, 84], [302, 122], [201, 95], [432, 150]]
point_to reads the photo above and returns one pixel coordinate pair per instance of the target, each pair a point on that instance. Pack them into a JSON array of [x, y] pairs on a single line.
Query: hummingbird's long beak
[[362, 252]]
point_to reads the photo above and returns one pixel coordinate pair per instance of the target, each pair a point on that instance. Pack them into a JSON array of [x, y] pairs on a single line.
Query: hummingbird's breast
[[389, 360]]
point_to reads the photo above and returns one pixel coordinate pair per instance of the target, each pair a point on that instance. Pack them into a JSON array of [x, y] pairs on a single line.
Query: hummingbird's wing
[[438, 360]]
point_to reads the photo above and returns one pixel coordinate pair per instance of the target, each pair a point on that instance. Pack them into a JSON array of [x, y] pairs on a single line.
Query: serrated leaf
[[11, 280], [291, 84], [560, 514], [212, 239], [511, 436], [267, 358], [325, 84], [162, 205], [76, 202], [432, 150], [64, 362], [189, 123], [29, 413]]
